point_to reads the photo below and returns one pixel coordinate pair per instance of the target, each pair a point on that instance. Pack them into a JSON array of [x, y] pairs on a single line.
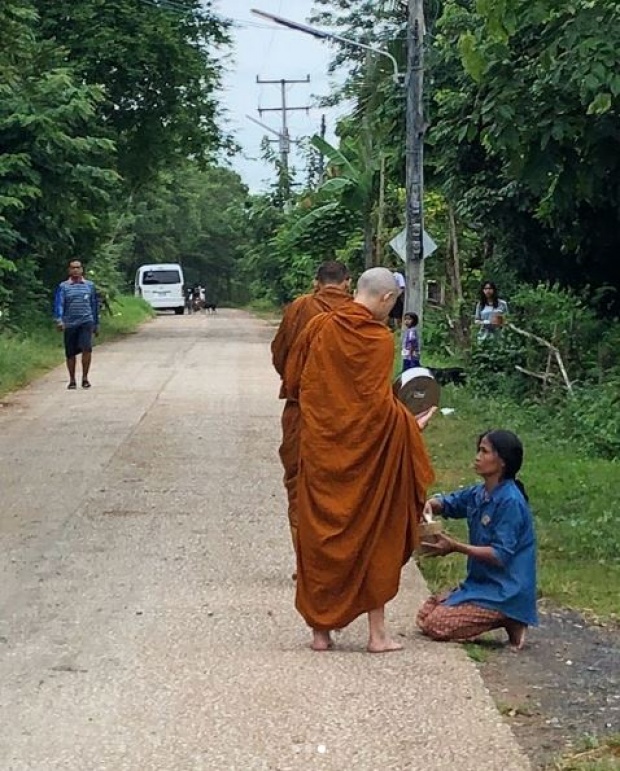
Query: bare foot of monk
[[386, 645], [516, 635], [321, 641], [378, 640]]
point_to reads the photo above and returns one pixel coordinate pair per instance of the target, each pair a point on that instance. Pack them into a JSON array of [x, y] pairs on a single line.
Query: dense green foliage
[[56, 170], [103, 106], [522, 187], [157, 72], [110, 135]]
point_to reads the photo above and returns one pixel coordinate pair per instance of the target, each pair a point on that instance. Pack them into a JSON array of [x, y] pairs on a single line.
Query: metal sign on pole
[[399, 245]]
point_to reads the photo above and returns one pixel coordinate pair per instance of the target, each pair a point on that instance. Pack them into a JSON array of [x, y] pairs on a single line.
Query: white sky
[[273, 52]]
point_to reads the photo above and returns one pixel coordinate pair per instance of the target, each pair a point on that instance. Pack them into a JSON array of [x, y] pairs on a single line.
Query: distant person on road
[[76, 312], [196, 303], [490, 313], [363, 471], [411, 342], [500, 588], [187, 294], [331, 291]]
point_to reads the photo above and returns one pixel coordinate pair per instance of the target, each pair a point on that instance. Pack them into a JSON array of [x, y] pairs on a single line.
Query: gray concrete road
[[146, 601]]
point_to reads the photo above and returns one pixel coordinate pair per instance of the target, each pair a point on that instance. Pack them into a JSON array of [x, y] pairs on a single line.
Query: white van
[[161, 286]]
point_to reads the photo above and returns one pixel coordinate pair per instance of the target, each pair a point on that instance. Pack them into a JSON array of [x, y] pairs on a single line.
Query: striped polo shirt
[[76, 303]]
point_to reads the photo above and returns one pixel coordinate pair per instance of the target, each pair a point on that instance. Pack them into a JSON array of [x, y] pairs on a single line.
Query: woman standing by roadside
[[490, 312]]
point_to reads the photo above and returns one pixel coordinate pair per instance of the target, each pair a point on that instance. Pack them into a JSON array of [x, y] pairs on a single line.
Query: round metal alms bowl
[[418, 390]]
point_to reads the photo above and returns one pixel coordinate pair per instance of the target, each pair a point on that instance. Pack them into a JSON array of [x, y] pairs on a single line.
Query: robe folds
[[294, 320], [363, 473]]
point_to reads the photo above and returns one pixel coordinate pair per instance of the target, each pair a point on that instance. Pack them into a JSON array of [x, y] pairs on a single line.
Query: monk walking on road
[[363, 472], [331, 292]]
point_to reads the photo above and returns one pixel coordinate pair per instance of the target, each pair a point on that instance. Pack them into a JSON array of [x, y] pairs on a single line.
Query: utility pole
[[380, 213], [285, 139], [321, 170], [414, 290]]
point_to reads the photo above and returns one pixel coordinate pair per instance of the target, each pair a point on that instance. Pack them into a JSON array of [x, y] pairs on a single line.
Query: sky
[[271, 52]]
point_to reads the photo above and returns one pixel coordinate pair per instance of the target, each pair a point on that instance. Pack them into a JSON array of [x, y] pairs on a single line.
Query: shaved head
[[377, 290], [377, 282]]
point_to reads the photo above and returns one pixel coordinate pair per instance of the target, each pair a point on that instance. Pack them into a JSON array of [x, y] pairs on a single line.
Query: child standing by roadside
[[411, 342]]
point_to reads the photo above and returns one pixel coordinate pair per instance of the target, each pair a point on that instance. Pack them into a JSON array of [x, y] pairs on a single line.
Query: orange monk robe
[[295, 318], [364, 470]]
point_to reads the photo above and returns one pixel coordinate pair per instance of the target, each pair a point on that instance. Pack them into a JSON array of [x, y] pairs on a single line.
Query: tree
[[159, 69], [191, 215], [526, 130], [56, 175]]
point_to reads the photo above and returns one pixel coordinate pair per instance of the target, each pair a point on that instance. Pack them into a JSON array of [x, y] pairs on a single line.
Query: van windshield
[[161, 277]]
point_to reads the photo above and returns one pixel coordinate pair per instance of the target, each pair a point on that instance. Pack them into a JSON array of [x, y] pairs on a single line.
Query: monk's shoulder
[[296, 304]]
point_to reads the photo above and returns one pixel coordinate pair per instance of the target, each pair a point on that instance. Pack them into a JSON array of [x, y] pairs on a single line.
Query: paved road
[[146, 606]]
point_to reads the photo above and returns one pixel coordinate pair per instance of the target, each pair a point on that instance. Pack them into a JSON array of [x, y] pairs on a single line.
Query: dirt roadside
[[562, 689]]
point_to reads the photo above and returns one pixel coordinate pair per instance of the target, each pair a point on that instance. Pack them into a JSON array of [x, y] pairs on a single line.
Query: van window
[[161, 277]]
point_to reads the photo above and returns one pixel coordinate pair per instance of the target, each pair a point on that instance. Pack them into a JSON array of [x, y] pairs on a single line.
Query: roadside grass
[[595, 755], [573, 499], [26, 355], [265, 310]]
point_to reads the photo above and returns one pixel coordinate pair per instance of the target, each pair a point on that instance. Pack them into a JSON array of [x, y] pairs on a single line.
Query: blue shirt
[[76, 304], [502, 520]]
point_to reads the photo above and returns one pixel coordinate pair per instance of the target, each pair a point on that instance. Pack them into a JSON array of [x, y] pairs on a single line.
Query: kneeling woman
[[500, 588]]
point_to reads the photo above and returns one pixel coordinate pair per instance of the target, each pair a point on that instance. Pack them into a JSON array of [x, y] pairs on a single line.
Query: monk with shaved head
[[331, 290], [364, 470]]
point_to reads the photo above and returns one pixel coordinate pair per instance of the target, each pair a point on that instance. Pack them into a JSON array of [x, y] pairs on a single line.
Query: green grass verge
[[573, 499], [595, 755], [265, 310], [25, 355]]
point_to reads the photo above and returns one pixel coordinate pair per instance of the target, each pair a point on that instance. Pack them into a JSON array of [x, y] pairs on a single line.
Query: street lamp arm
[[322, 35], [264, 125]]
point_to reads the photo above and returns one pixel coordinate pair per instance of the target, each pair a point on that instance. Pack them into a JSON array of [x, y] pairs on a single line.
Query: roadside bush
[[564, 320], [491, 366], [436, 333], [591, 419]]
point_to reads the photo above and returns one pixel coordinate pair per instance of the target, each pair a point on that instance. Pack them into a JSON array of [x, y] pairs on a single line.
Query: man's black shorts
[[78, 340]]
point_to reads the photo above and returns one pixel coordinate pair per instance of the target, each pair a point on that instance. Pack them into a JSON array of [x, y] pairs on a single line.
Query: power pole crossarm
[[284, 137]]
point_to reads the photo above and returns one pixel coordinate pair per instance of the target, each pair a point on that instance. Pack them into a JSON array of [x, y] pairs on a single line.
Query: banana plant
[[351, 183]]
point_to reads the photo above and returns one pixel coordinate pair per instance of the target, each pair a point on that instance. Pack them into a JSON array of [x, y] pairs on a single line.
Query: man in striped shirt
[[77, 314]]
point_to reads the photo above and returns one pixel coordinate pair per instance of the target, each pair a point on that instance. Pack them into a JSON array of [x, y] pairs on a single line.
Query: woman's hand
[[441, 546]]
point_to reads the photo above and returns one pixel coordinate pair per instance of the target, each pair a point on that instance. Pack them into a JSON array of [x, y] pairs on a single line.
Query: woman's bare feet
[[321, 641], [516, 635]]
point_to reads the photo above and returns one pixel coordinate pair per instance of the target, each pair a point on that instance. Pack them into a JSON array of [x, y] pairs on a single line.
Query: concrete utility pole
[[321, 171], [285, 139], [414, 291]]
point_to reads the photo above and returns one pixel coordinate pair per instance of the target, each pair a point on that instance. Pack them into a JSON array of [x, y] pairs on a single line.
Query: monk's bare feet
[[516, 635], [321, 641], [378, 639], [383, 645]]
